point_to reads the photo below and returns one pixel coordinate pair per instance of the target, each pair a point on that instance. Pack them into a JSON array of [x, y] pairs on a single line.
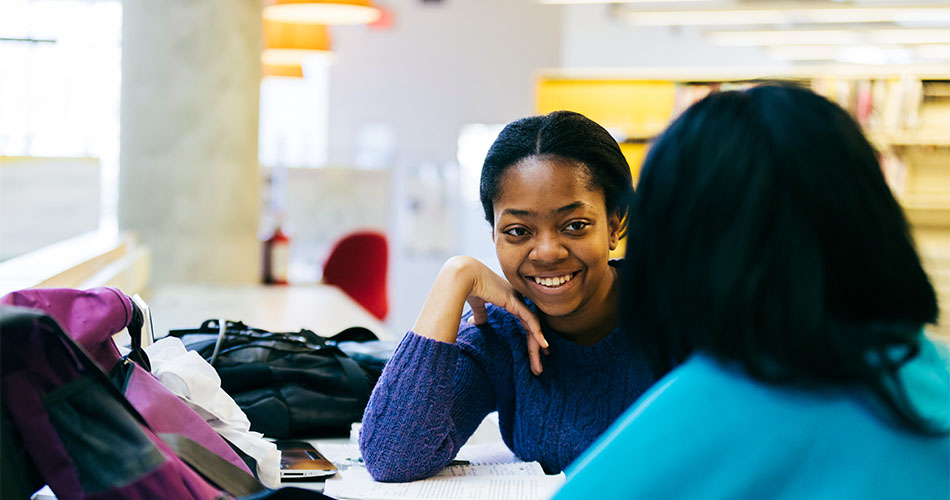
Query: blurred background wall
[[160, 118]]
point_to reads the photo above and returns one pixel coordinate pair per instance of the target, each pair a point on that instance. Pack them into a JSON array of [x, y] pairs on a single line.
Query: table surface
[[325, 309]]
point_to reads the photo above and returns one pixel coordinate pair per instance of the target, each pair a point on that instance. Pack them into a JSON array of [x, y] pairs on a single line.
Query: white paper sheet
[[494, 482], [494, 473], [493, 470], [487, 453]]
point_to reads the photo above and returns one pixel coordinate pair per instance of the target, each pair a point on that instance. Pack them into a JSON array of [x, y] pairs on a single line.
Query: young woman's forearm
[[407, 426], [428, 401], [442, 311]]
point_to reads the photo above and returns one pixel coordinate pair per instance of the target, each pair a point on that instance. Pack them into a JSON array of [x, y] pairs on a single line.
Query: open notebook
[[493, 472]]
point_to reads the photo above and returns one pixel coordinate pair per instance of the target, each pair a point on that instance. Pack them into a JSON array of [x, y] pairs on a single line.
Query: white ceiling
[[815, 31]]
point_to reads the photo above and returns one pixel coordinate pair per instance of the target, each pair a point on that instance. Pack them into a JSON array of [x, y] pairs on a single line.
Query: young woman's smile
[[553, 237], [554, 283]]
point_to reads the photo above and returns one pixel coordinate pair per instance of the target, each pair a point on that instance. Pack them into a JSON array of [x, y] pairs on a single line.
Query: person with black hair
[[770, 264], [554, 189]]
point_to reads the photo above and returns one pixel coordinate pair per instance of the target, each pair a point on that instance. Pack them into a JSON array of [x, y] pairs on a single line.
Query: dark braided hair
[[567, 135]]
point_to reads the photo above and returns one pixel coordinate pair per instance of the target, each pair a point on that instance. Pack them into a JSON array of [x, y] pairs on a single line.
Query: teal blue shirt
[[707, 431]]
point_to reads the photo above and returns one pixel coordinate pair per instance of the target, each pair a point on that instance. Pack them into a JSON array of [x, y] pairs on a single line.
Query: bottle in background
[[276, 257]]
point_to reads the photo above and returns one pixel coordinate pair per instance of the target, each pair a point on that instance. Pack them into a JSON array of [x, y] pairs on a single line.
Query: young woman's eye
[[577, 225], [516, 231]]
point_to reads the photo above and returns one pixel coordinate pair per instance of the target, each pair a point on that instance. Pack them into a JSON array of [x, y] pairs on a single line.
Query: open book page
[[493, 472], [485, 482]]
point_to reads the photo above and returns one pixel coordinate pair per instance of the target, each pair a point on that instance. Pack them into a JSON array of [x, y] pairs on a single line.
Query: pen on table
[[453, 462]]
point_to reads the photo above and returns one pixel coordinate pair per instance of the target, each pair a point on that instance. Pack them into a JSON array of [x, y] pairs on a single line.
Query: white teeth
[[553, 282]]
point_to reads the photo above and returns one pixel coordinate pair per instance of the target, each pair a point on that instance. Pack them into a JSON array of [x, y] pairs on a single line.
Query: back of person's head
[[564, 134], [763, 232]]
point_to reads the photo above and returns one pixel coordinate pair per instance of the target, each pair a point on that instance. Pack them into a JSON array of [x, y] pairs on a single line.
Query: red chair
[[357, 264]]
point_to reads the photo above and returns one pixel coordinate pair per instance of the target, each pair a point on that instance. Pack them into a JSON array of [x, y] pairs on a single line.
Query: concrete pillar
[[189, 176]]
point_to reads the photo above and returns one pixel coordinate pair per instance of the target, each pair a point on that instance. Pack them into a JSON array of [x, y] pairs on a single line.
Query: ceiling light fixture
[[908, 36], [782, 37], [284, 70], [938, 51], [786, 13], [856, 54], [322, 11], [587, 2], [288, 45]]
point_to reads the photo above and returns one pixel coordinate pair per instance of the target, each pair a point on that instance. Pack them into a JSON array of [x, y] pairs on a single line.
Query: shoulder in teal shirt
[[709, 431]]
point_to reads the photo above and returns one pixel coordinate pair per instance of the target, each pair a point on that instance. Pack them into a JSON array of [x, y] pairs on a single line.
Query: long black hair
[[763, 232], [567, 135]]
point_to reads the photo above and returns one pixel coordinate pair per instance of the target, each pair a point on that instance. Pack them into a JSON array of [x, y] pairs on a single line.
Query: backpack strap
[[214, 326], [355, 377], [137, 353], [354, 334], [214, 468]]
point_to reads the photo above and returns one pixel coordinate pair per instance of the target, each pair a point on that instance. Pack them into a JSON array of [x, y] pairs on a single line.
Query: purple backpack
[[86, 439]]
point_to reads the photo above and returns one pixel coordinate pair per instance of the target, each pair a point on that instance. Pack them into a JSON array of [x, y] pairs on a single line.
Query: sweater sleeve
[[428, 401]]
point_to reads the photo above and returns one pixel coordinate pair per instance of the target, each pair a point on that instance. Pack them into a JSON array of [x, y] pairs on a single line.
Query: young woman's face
[[553, 236]]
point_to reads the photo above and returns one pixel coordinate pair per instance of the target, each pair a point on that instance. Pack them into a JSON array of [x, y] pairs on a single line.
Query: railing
[[85, 261]]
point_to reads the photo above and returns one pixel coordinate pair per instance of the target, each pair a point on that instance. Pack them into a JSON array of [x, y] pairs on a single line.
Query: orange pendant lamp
[[322, 11], [286, 45]]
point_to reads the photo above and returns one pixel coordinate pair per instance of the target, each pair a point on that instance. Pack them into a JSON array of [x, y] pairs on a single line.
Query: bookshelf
[[905, 112]]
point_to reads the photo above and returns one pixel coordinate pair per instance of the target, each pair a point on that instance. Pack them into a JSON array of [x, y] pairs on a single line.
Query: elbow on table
[[397, 463], [396, 469]]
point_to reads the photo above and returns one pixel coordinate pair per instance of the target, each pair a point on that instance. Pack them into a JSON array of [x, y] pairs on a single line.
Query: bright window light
[[294, 114], [60, 86]]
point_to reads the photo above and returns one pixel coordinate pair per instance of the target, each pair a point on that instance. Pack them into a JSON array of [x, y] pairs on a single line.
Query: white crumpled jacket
[[192, 379]]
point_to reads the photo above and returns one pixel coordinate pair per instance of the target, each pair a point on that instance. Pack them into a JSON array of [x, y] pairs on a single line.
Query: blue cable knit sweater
[[432, 396]]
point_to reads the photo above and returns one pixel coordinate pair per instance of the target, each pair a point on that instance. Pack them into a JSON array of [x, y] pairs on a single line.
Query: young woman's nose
[[548, 248]]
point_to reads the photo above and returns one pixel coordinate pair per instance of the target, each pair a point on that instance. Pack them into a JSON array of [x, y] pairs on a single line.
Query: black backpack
[[290, 384]]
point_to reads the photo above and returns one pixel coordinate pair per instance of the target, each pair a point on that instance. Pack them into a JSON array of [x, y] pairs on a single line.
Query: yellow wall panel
[[634, 153], [638, 108]]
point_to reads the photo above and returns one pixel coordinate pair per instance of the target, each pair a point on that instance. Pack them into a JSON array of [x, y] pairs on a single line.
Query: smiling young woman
[[553, 189]]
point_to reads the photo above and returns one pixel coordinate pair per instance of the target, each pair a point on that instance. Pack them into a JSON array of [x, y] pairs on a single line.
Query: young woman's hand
[[465, 279], [489, 287]]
